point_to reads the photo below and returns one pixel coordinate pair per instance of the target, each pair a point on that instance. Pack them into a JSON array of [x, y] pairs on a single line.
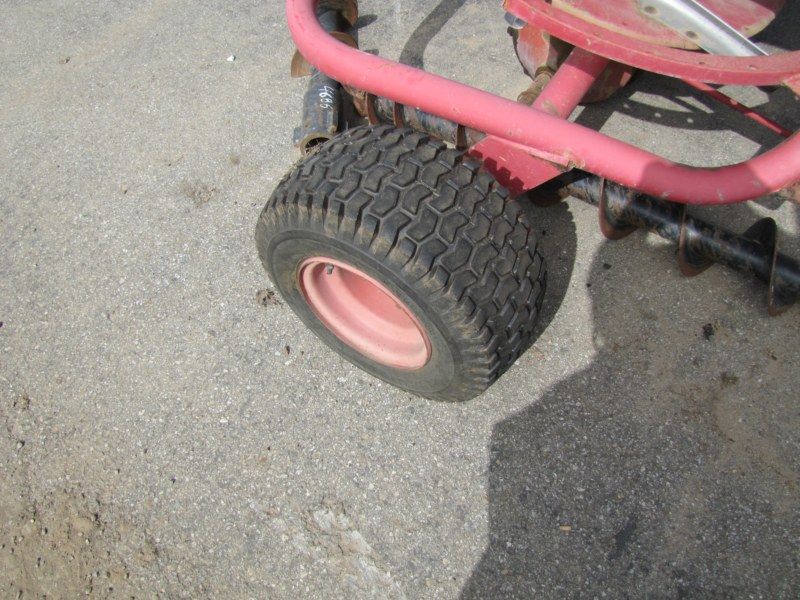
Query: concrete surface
[[163, 434]]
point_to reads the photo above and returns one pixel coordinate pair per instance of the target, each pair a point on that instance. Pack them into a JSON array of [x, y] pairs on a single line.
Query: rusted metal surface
[[300, 67], [541, 55], [619, 44], [346, 15], [517, 167], [348, 9], [529, 96], [520, 168], [748, 17], [359, 98], [576, 75], [387, 111], [321, 105], [700, 244], [323, 98], [381, 110], [536, 49]]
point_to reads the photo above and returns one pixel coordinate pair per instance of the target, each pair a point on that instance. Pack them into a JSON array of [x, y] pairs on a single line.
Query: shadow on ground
[[638, 476]]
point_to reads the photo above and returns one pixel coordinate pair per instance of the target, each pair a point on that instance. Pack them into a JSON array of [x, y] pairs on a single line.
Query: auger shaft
[[700, 244]]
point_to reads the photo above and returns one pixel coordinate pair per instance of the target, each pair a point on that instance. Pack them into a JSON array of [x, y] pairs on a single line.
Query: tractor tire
[[406, 259]]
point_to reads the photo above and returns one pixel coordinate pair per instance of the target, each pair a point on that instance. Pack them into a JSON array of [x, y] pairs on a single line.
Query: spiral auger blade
[[783, 273], [700, 244]]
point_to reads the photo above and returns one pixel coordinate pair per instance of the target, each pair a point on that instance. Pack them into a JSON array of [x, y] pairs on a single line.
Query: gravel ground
[[169, 429]]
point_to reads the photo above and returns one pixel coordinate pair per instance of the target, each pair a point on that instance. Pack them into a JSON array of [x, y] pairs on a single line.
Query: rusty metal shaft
[[387, 111], [323, 98], [700, 244]]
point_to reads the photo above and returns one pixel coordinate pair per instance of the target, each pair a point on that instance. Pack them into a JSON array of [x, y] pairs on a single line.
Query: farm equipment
[[402, 244]]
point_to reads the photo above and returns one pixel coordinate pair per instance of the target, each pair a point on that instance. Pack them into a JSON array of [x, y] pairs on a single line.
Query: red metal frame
[[513, 165], [631, 17], [748, 112], [762, 70], [539, 135]]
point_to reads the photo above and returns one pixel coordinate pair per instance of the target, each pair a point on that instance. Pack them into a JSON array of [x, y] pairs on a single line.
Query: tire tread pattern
[[444, 226]]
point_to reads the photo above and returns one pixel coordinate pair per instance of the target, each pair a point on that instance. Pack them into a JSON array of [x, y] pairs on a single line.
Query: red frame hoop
[[534, 134]]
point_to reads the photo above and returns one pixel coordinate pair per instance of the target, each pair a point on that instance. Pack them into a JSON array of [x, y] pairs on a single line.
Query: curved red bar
[[736, 70], [582, 147]]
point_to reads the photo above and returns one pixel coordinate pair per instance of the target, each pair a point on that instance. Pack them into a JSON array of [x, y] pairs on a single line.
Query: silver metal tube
[[700, 26]]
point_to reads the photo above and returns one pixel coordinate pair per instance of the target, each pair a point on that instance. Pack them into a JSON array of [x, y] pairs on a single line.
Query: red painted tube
[[748, 112], [573, 79], [583, 147]]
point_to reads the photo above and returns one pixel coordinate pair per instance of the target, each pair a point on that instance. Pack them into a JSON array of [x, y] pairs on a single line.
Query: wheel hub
[[363, 313]]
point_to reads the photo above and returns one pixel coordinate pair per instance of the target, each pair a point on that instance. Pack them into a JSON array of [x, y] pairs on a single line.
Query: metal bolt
[[514, 22]]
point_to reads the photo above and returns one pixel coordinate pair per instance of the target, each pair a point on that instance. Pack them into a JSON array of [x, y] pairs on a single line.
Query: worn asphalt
[[169, 429]]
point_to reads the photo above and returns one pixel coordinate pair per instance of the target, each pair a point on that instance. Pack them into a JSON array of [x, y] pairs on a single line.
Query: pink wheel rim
[[363, 313]]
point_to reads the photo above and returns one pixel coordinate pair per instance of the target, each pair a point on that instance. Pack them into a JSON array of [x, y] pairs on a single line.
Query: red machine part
[[627, 18], [543, 135], [512, 164], [750, 113], [542, 55], [623, 46]]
